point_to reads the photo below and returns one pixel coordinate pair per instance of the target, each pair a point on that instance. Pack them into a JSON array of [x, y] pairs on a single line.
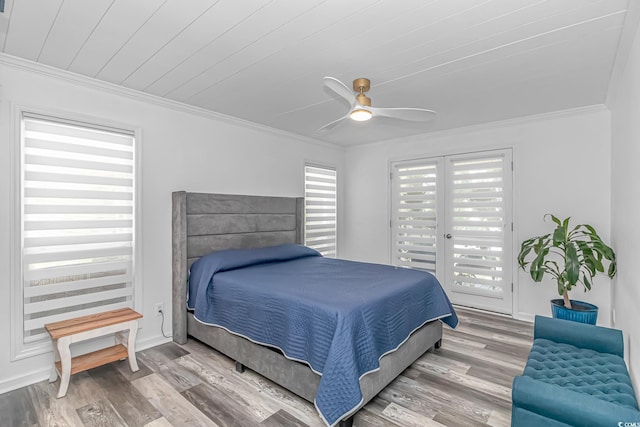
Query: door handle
[[448, 235]]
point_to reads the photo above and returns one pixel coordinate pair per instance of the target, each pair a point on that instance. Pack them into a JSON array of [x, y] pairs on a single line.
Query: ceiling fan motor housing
[[363, 100], [362, 85]]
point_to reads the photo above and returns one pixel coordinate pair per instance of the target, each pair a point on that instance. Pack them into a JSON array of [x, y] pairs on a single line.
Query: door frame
[[515, 310]]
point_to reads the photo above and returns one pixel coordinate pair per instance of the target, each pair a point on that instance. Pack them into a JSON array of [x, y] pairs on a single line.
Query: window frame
[[19, 349]]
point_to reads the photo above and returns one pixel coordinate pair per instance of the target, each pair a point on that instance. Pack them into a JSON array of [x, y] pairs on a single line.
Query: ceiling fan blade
[[410, 114], [340, 89], [333, 124]]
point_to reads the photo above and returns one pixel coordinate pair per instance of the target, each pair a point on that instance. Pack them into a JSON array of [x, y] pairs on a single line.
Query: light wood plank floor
[[467, 382]]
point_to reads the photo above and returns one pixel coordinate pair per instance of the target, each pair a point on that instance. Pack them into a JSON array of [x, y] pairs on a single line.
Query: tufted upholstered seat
[[602, 375], [575, 376]]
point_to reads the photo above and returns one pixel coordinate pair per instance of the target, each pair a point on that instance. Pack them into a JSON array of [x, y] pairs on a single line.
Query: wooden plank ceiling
[[473, 61]]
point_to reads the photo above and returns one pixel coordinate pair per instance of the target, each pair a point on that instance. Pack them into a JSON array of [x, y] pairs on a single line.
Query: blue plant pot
[[582, 312]]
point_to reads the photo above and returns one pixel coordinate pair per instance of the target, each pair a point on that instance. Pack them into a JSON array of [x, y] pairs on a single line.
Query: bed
[[205, 223]]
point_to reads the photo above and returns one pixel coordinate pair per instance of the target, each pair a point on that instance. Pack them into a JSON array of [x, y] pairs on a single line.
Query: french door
[[451, 216]]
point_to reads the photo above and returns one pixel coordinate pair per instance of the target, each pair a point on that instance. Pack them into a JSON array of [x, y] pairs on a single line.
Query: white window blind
[[320, 209], [77, 201], [477, 222], [414, 214]]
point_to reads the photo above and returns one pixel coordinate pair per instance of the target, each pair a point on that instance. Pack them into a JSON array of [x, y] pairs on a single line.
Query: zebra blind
[[414, 214], [477, 223], [77, 201], [320, 209]]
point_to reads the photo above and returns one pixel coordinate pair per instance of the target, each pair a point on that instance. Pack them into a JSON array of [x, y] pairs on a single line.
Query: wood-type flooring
[[467, 382]]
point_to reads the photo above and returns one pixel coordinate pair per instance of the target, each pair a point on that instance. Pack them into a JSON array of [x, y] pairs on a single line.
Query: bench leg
[[65, 362], [53, 376], [56, 356], [131, 345], [121, 338]]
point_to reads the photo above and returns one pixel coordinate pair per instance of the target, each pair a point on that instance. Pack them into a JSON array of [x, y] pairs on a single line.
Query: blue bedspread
[[340, 317]]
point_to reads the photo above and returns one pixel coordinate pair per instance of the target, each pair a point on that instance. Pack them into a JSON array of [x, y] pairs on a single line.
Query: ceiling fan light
[[360, 115]]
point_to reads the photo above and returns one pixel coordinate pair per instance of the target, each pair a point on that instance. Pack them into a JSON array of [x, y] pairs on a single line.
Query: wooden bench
[[71, 331]]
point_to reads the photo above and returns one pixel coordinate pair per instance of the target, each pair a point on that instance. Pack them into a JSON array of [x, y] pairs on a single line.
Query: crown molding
[[516, 121], [49, 71]]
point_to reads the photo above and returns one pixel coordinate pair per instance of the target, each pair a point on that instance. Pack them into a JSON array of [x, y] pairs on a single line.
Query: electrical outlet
[[159, 308]]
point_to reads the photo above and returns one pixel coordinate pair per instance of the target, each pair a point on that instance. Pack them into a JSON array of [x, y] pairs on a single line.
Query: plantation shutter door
[[320, 209], [479, 229], [414, 218], [77, 221]]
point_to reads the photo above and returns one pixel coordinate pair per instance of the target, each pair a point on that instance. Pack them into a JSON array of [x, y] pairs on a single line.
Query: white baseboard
[[19, 381], [152, 342], [526, 317]]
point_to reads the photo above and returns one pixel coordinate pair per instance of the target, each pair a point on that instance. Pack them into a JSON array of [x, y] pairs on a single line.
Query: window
[[320, 209], [77, 231]]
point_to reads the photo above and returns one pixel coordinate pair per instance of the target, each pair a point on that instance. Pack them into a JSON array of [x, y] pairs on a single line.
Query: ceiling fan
[[361, 109]]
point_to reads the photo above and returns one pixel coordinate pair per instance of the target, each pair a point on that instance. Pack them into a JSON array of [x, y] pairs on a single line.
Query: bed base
[[203, 223], [298, 377], [240, 368]]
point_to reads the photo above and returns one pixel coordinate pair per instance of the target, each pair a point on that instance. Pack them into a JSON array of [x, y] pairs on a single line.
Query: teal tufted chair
[[575, 376]]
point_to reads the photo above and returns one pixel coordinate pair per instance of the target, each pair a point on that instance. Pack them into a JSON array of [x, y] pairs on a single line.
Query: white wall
[[625, 230], [181, 150], [561, 167]]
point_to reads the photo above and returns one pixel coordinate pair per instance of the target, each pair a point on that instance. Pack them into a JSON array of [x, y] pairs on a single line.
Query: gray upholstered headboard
[[203, 223]]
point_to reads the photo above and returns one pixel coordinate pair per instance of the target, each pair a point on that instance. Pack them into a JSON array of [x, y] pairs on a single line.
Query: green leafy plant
[[571, 256]]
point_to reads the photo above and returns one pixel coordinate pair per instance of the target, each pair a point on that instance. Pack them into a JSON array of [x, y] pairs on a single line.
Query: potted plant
[[571, 256]]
